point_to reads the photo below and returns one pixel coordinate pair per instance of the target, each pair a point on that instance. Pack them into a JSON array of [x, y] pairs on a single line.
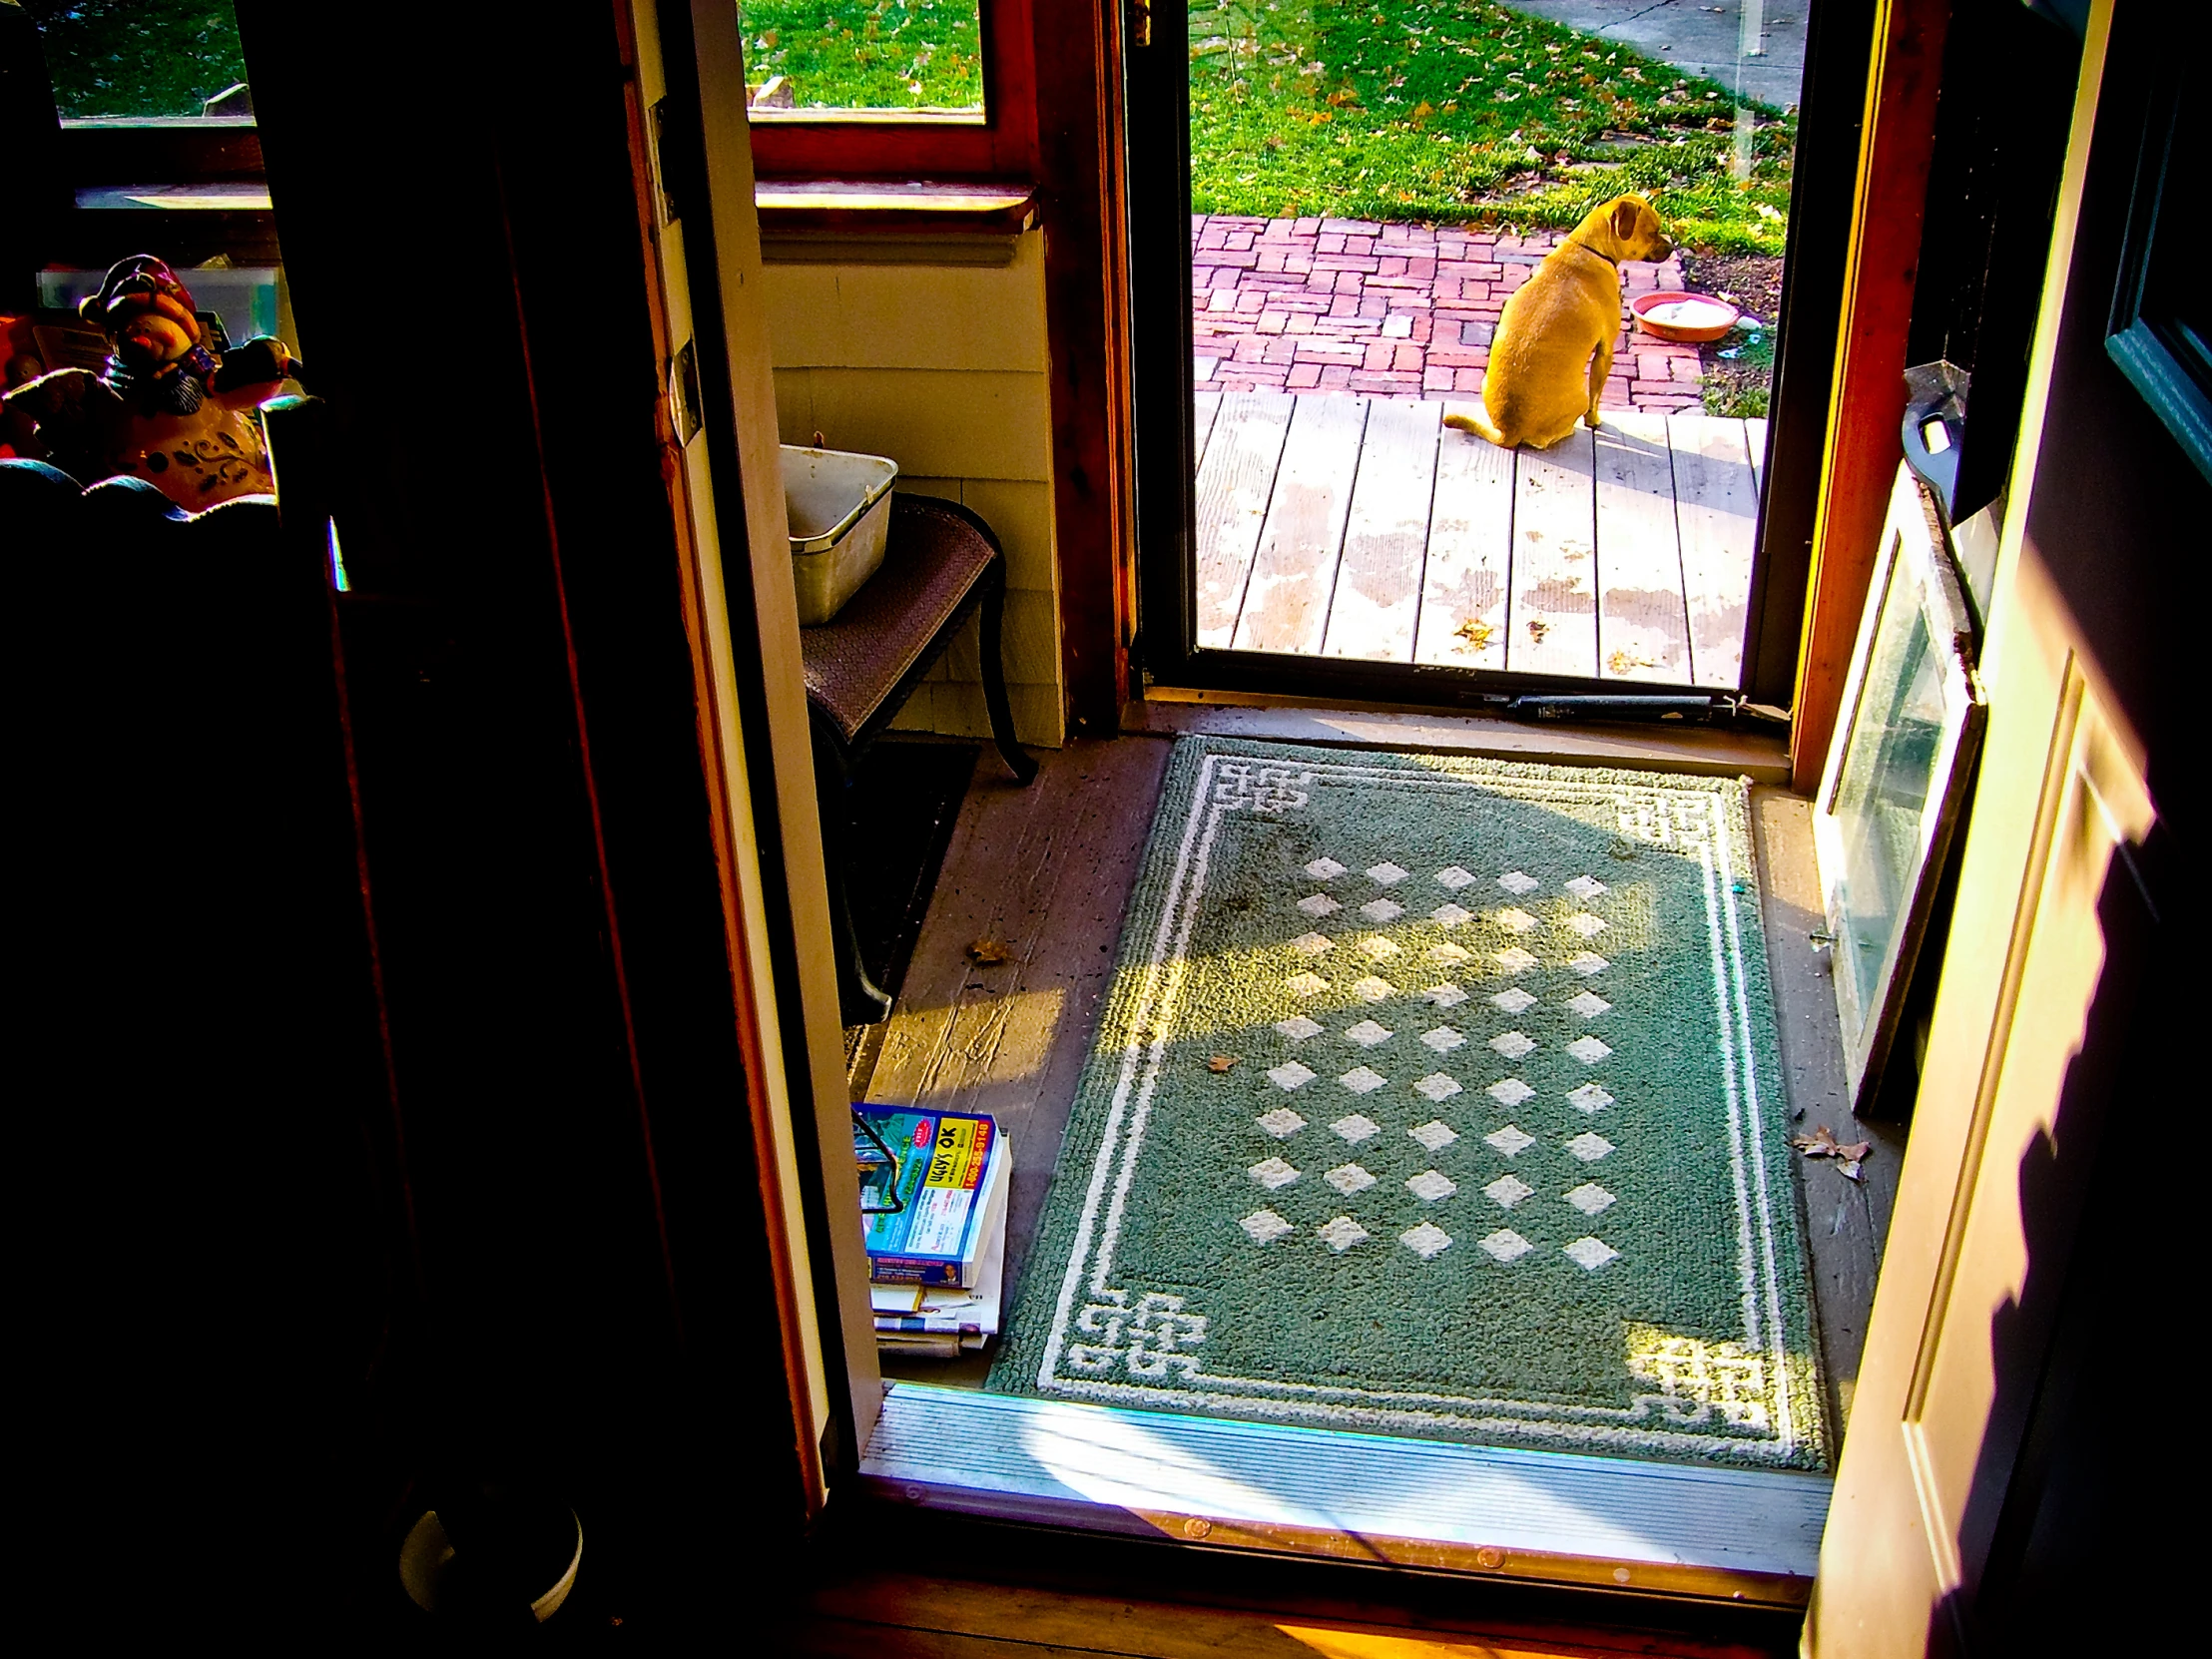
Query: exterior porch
[[1364, 528]]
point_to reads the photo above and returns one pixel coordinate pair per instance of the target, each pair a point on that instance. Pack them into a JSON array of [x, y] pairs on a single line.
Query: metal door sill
[[1562, 1518]]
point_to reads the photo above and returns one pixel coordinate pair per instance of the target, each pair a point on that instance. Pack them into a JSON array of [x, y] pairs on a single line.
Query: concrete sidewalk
[[1700, 37]]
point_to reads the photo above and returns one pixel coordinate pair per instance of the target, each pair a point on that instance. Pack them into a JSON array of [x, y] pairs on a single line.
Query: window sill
[[918, 222]]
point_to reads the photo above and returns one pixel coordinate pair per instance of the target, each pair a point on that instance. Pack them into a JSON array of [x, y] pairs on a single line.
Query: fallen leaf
[[1822, 1143], [1221, 1063], [1476, 632], [1537, 629], [990, 952]]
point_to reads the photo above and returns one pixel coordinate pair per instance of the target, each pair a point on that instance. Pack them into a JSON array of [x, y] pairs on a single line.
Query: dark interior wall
[[463, 239]]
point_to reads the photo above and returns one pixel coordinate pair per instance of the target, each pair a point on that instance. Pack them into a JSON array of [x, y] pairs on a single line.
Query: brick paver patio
[[1391, 311]]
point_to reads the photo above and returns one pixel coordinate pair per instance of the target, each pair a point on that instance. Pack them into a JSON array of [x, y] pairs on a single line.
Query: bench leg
[[1019, 761], [861, 1001]]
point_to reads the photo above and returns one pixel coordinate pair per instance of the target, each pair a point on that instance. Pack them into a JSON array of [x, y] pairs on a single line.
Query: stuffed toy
[[165, 407]]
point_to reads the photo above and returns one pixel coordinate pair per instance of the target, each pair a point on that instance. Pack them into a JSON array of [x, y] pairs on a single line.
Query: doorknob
[[1140, 22]]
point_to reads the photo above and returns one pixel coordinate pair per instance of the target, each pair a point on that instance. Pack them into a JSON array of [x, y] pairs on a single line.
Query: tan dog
[[1554, 343]]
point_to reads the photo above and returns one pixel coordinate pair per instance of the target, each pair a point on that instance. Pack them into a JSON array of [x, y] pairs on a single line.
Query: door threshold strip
[[1750, 1536]]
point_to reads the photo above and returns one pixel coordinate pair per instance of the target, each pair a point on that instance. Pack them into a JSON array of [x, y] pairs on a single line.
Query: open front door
[[1978, 1501]]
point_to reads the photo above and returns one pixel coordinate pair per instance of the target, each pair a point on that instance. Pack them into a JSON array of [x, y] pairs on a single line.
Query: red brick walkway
[[1392, 310]]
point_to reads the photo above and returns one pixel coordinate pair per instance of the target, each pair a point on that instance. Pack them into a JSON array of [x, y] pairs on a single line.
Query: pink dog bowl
[[1692, 318]]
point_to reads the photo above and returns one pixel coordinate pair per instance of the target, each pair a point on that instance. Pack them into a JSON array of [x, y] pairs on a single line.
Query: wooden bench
[[941, 565]]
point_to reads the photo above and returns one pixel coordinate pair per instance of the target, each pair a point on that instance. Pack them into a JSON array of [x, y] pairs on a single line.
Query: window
[[890, 89], [2161, 330], [136, 58]]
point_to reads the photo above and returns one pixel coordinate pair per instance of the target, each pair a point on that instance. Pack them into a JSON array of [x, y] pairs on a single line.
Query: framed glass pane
[[135, 58], [816, 58], [1895, 775]]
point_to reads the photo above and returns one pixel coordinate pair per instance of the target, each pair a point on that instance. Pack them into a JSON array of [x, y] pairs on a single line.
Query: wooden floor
[[1362, 528]]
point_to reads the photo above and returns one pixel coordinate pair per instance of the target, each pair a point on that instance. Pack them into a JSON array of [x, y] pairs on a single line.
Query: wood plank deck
[[1367, 529]]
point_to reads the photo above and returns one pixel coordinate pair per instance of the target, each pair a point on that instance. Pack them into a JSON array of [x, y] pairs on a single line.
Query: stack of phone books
[[933, 1202]]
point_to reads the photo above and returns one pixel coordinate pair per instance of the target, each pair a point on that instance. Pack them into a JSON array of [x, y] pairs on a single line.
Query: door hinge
[[1140, 22]]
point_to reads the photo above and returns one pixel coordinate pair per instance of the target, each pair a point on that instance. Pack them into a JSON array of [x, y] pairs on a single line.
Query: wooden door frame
[[1825, 213]]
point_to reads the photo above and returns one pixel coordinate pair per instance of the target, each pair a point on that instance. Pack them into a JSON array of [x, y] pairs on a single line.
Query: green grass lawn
[[1455, 110], [138, 57], [868, 54]]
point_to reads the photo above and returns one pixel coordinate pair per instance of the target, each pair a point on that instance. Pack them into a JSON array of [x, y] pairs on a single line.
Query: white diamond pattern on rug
[[1585, 924], [1514, 960], [1507, 1245], [1349, 1179], [1311, 944], [1324, 869], [1591, 1254], [1452, 878], [1342, 1234], [1437, 1088], [1431, 1185], [1375, 946], [1585, 887], [1518, 881], [1443, 1039], [1513, 1044], [1427, 1241], [1272, 1173], [1356, 1128], [1386, 875], [1589, 1198], [1588, 1004], [1514, 920], [1366, 1034], [1282, 1123], [1298, 1028], [1450, 915], [1510, 1141], [1372, 989], [1589, 1147], [1264, 1227], [1507, 1191], [1589, 1098], [1590, 1050], [1589, 963], [1319, 904], [1433, 1135], [1445, 995], [1508, 1091], [1380, 910], [1513, 1000], [1362, 1080], [1307, 984], [1290, 1075], [1448, 955]]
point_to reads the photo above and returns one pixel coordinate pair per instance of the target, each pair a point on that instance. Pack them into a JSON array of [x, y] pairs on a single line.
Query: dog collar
[[1587, 248]]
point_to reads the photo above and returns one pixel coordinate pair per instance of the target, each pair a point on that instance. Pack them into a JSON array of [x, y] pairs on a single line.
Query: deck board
[[1465, 583], [1205, 406], [1552, 627], [1234, 482], [1379, 577], [1755, 438], [1643, 628], [1285, 604], [1716, 503]]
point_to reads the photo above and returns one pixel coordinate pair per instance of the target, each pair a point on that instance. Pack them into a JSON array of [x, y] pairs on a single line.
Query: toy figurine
[[165, 407]]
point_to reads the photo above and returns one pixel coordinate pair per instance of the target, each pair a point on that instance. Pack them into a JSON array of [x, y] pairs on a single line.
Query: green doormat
[[1502, 1154]]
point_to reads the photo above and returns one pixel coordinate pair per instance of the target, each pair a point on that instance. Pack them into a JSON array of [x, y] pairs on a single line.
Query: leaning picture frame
[[1896, 775]]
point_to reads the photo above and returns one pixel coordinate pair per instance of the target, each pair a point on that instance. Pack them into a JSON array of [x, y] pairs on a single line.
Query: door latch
[[1140, 22]]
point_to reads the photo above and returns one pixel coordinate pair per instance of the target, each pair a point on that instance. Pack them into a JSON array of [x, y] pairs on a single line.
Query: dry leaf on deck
[[1537, 629], [1221, 1063], [990, 952], [1822, 1143], [1476, 633]]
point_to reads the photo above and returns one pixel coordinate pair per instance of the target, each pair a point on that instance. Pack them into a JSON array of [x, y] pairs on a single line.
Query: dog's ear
[[1627, 214]]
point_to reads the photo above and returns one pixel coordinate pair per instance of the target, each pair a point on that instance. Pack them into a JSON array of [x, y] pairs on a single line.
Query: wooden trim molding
[[1866, 401], [1080, 194]]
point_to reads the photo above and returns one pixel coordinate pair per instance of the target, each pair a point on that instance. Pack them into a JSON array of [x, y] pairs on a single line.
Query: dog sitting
[[1554, 343]]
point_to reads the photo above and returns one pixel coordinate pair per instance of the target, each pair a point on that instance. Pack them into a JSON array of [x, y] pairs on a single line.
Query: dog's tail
[[1480, 424]]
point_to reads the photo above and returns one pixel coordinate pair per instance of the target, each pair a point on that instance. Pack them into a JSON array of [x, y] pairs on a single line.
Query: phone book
[[928, 1207], [938, 1321]]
